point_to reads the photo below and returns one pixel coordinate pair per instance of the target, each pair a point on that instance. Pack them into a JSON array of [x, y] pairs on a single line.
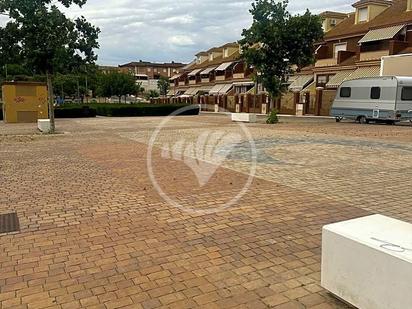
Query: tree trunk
[[51, 102]]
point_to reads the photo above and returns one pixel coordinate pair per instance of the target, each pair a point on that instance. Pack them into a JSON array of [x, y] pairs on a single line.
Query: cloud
[[181, 40], [166, 30]]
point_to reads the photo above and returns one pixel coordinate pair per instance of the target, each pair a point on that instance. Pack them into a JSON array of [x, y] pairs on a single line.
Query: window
[[210, 57], [322, 80], [345, 92], [407, 94], [333, 22], [362, 15], [339, 47], [375, 93], [226, 52]]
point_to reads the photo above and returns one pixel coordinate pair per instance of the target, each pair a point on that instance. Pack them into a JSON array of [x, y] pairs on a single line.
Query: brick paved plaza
[[95, 233]]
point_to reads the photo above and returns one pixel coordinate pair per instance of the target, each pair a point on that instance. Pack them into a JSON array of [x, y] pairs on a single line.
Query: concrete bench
[[367, 262], [244, 117]]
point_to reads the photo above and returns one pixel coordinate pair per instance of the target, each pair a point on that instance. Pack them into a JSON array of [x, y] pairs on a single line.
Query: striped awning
[[372, 71], [226, 88], [300, 82], [207, 71], [192, 91], [216, 88], [339, 78], [175, 77], [381, 34], [194, 72], [224, 66]]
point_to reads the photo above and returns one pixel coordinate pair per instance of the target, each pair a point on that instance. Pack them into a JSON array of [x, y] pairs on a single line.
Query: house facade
[[152, 70], [353, 48], [218, 71]]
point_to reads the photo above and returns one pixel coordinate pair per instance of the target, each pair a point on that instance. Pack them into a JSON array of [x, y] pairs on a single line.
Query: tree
[[117, 84], [163, 84], [277, 40], [45, 41]]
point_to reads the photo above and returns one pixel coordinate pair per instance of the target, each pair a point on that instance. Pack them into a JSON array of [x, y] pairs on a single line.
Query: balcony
[[328, 62], [373, 55], [239, 75]]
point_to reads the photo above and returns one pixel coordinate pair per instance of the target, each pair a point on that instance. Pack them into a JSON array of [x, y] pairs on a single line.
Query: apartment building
[[218, 71], [152, 70], [354, 45]]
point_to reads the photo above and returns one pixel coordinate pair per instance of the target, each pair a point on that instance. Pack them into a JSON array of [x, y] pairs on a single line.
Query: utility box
[[24, 102]]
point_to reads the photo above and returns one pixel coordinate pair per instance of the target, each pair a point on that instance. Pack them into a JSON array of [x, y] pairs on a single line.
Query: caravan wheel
[[363, 120]]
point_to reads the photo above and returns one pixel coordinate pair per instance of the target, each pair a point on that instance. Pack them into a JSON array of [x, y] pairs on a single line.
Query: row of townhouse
[[218, 71], [353, 47]]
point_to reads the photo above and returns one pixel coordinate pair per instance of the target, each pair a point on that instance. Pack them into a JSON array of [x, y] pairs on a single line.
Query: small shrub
[[273, 117]]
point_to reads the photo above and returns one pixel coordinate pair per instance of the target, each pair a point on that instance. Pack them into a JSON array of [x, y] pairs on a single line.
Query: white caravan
[[380, 99]]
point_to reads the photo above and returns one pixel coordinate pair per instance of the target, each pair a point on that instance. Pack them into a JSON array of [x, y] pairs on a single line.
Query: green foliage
[[126, 110], [277, 40], [163, 84], [75, 112], [273, 117], [117, 84], [42, 39], [152, 94]]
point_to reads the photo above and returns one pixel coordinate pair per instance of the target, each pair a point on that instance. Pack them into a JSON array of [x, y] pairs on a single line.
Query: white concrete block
[[244, 117], [367, 262], [44, 125]]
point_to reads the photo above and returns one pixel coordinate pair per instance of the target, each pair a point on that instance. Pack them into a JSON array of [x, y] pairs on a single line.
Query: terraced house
[[352, 48], [218, 71]]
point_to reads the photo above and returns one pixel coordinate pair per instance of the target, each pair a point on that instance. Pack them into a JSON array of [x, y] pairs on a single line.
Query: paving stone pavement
[[95, 233]]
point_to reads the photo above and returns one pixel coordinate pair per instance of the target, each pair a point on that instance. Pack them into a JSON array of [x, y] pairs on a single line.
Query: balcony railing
[[326, 62], [373, 55]]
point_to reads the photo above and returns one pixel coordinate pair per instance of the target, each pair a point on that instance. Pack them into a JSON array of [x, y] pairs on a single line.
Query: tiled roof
[[301, 82], [362, 72], [396, 14], [217, 61], [153, 64], [339, 78]]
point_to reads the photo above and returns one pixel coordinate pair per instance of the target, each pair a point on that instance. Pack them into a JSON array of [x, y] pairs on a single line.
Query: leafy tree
[[117, 84], [163, 84], [277, 40], [40, 37]]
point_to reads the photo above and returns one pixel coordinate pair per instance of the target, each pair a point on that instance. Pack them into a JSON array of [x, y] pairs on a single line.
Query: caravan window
[[375, 93], [345, 92], [407, 94]]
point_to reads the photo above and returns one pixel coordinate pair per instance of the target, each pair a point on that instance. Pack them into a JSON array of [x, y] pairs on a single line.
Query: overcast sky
[[166, 30]]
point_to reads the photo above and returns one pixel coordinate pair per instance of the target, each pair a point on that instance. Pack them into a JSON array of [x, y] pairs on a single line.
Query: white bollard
[[44, 125]]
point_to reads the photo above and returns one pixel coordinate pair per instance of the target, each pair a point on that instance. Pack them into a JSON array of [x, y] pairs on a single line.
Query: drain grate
[[9, 223]]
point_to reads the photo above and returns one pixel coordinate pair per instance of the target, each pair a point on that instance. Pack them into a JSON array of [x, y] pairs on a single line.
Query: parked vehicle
[[379, 99]]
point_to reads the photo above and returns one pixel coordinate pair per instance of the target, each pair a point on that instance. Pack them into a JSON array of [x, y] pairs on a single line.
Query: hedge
[[75, 112], [117, 110], [127, 110]]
